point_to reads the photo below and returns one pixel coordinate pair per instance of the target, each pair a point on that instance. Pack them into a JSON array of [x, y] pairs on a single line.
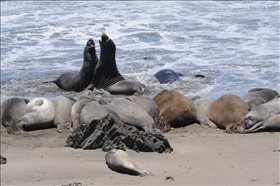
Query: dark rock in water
[[3, 160], [110, 133]]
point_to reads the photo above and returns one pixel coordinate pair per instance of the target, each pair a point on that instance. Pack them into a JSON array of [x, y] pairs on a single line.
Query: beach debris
[[3, 160]]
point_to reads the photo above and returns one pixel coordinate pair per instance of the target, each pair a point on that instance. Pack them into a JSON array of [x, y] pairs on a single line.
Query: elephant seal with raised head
[[106, 74], [176, 110], [78, 82], [62, 114], [39, 115], [227, 112], [119, 161], [167, 76], [260, 114], [201, 111], [259, 96], [11, 110]]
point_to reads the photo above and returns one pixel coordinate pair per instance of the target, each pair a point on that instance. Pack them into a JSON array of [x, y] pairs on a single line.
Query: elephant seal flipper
[[270, 124], [119, 161]]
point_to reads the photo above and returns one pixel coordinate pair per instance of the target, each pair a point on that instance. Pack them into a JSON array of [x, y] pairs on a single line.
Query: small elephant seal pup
[[201, 111], [95, 110], [78, 82], [11, 110], [227, 112], [119, 161], [132, 114], [259, 96], [176, 110], [62, 114], [146, 103], [39, 115], [261, 113], [270, 124]]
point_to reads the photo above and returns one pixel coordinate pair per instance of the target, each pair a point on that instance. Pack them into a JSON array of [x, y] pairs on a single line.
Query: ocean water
[[235, 45]]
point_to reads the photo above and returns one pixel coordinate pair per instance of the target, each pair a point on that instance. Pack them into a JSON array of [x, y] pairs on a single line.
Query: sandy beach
[[201, 156]]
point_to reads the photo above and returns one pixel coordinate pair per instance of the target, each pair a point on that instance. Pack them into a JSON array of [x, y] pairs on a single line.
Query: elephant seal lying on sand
[[262, 113], [119, 161], [107, 76], [259, 96], [227, 112], [11, 110], [176, 110], [201, 111], [39, 115]]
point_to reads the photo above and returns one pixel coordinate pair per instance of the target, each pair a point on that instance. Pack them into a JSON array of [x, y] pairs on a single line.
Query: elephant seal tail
[[142, 172]]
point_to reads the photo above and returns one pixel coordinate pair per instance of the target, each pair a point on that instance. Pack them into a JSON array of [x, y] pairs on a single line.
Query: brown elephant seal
[[62, 113], [261, 113], [176, 110], [119, 161], [132, 114], [11, 110], [106, 74], [76, 111], [270, 124], [201, 111], [95, 110], [227, 112], [259, 96], [78, 82], [146, 103], [39, 115]]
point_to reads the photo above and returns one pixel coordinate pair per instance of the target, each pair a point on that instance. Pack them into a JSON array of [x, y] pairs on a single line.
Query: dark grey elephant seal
[[11, 110], [167, 76], [78, 82], [119, 161], [76, 111], [270, 124], [62, 114], [132, 114], [39, 115], [259, 96], [95, 110], [201, 111], [261, 113], [106, 74], [146, 103]]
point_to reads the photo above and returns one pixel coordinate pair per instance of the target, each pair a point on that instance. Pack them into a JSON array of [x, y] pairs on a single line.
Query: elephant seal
[[78, 82], [119, 161], [167, 76], [176, 110], [259, 96], [62, 113], [270, 124], [11, 110], [106, 74], [261, 113], [132, 114], [95, 110], [227, 112], [201, 111], [146, 103], [39, 115], [76, 111]]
